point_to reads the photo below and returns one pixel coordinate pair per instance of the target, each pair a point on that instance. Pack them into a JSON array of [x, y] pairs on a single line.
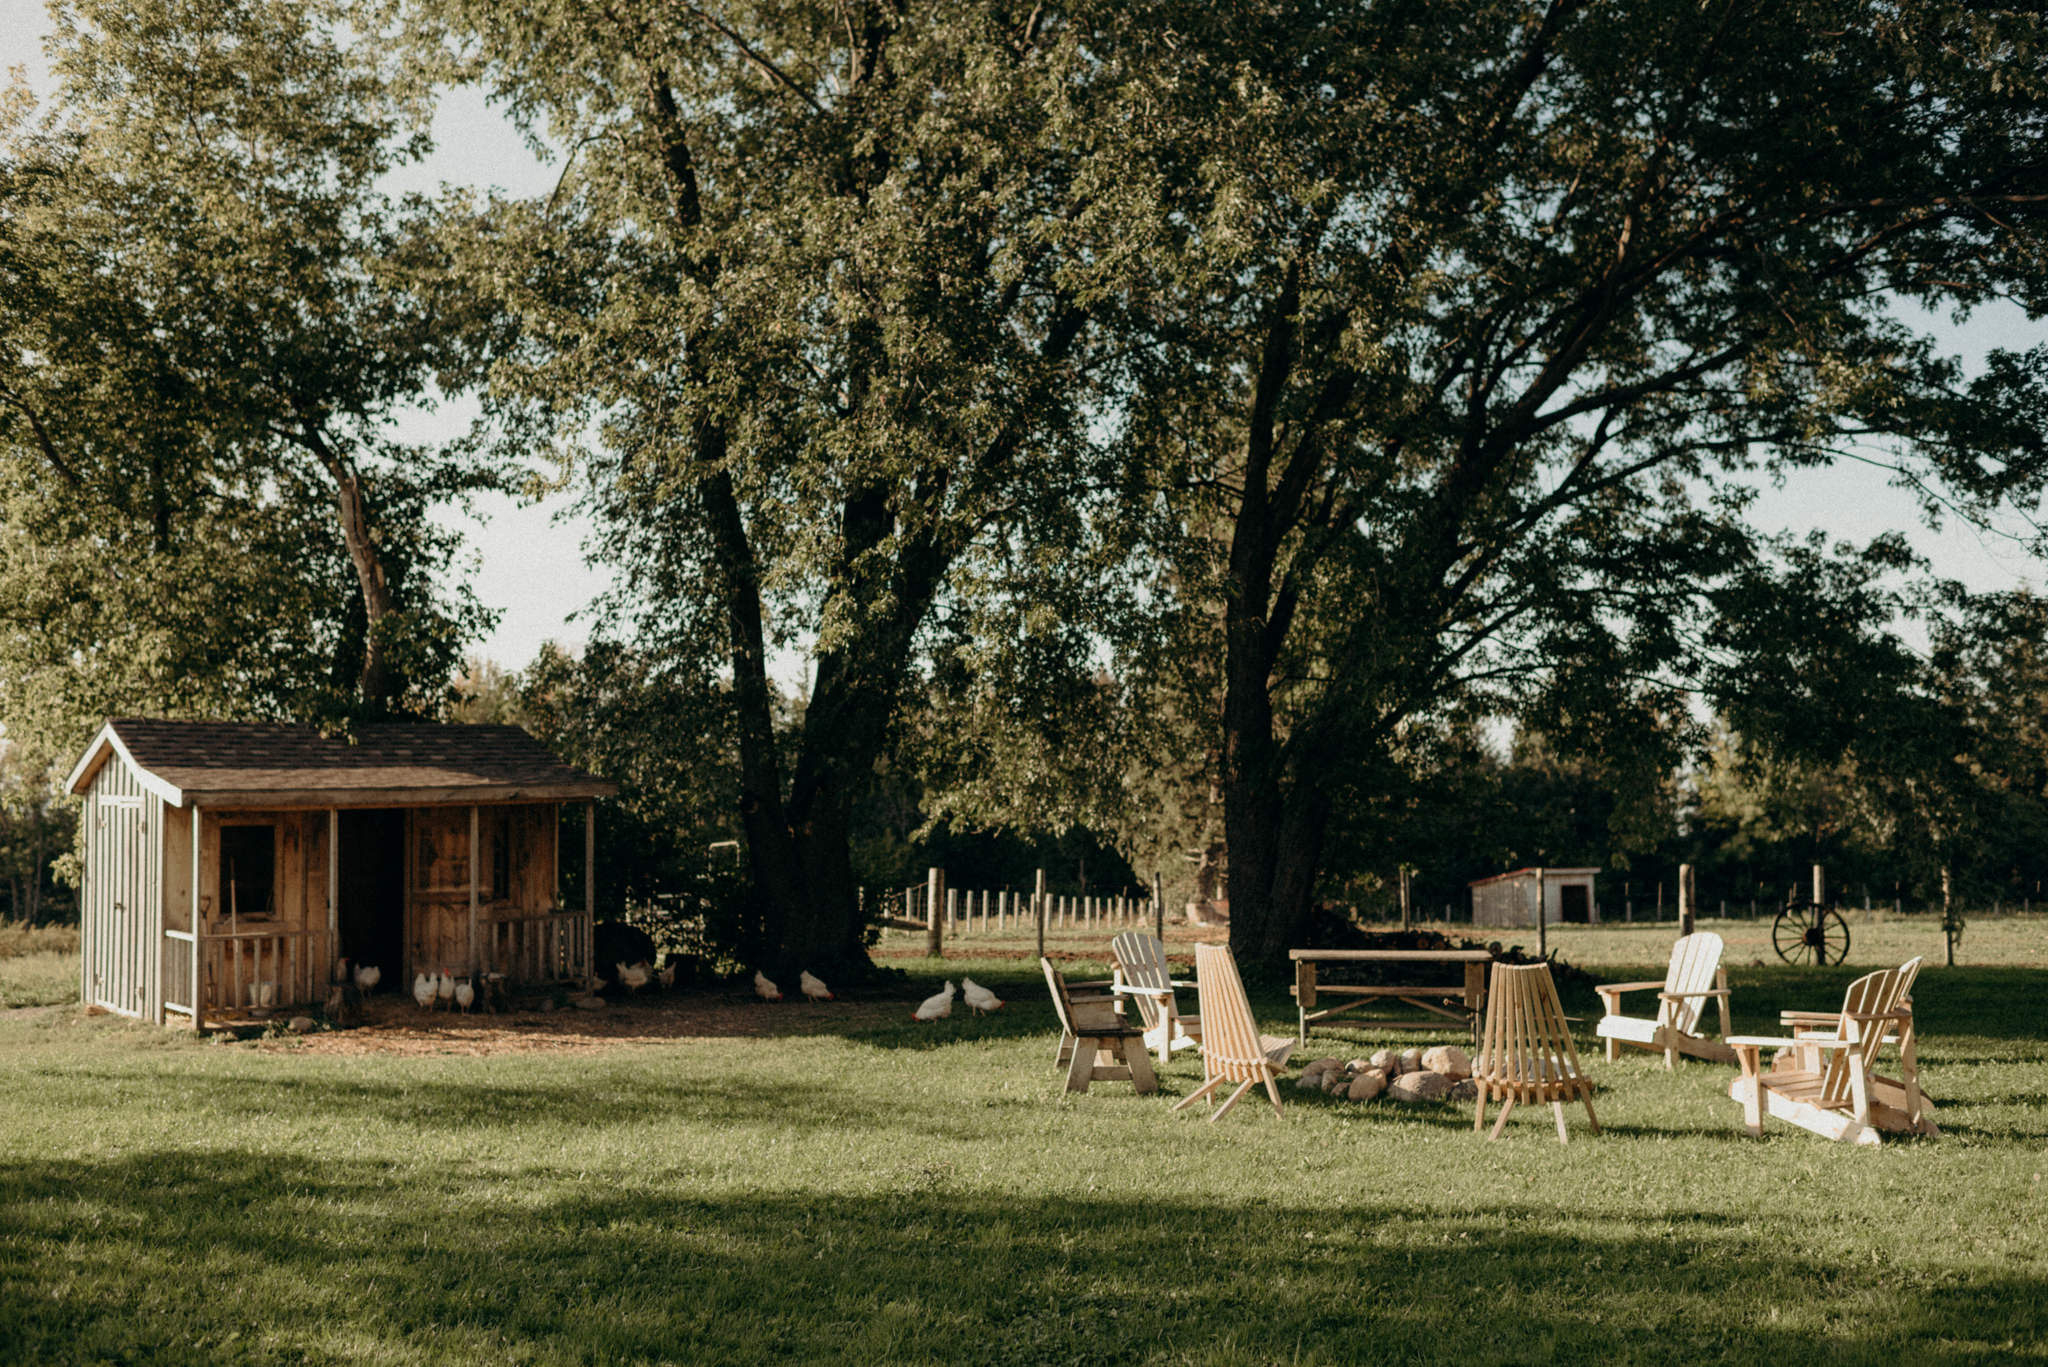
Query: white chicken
[[766, 990], [444, 988], [465, 994], [937, 1006], [979, 998], [667, 977], [423, 990], [813, 989], [633, 977], [368, 976]]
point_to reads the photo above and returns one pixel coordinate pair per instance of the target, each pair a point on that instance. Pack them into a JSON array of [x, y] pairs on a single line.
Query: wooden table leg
[[1475, 1000], [1304, 993]]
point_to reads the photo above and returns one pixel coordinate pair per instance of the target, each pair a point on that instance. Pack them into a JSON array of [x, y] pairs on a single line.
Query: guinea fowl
[[937, 1006], [367, 977], [979, 998], [813, 989], [423, 990], [766, 990]]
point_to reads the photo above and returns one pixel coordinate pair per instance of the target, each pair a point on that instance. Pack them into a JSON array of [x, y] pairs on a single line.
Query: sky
[[526, 559]]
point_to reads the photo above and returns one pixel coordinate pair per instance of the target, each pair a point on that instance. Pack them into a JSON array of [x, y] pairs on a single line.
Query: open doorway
[[1575, 903], [371, 901]]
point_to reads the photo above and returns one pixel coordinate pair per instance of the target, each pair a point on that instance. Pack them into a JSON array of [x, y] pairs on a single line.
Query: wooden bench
[[1464, 1003]]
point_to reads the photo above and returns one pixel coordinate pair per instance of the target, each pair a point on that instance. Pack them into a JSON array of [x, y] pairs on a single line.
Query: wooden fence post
[[1158, 906], [1542, 919], [1038, 909], [1687, 893], [934, 907], [1407, 907]]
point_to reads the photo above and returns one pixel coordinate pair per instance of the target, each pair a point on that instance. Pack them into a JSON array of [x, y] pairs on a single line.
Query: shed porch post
[[472, 888], [589, 885], [198, 936], [334, 892]]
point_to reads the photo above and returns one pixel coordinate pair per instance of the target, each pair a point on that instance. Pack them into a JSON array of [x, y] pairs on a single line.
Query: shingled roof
[[258, 764]]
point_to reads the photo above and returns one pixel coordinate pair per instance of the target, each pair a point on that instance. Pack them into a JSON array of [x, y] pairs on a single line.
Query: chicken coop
[[1510, 899], [229, 867]]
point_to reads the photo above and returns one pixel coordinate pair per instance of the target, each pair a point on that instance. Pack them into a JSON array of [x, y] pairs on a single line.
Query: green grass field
[[862, 1188]]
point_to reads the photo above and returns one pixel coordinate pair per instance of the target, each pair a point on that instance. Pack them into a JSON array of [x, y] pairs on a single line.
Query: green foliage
[[211, 318], [1456, 314]]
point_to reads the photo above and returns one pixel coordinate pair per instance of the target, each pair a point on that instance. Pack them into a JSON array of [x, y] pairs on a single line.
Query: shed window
[[248, 870]]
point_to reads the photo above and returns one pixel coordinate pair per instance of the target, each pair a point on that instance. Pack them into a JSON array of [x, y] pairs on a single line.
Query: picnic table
[[1464, 1003]]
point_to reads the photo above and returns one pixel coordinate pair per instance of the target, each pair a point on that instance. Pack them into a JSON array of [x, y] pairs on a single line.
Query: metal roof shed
[[414, 847], [1509, 899]]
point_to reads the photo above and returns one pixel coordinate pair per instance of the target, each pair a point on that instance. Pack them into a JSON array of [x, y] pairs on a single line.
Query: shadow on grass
[[234, 1256]]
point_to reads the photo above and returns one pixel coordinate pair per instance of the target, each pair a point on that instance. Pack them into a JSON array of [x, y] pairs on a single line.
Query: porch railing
[[536, 946], [262, 969]]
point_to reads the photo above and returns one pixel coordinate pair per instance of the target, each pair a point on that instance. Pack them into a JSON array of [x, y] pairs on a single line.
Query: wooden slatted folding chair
[[1694, 977], [1142, 976], [1826, 1079], [1527, 1053], [1091, 1029], [1233, 1050]]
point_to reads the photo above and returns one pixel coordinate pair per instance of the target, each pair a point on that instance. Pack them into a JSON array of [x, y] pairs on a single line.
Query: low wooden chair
[[1233, 1050], [1527, 1052], [1826, 1078], [1694, 977], [1143, 976], [1090, 1029]]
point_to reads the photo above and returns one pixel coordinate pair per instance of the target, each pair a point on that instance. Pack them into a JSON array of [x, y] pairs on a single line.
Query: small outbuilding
[[229, 866], [1510, 899]]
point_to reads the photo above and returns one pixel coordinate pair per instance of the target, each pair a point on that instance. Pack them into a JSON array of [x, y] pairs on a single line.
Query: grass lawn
[[855, 1187], [38, 965]]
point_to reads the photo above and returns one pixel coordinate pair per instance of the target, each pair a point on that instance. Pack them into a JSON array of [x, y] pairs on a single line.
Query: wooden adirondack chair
[[1143, 977], [1826, 1080], [1527, 1053], [1090, 1029], [1233, 1050], [1695, 975]]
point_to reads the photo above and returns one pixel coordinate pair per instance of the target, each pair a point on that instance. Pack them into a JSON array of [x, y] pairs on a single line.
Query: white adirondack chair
[[1826, 1080], [1143, 976], [1694, 977]]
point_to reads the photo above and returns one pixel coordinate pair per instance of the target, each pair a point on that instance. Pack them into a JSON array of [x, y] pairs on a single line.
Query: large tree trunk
[[376, 682]]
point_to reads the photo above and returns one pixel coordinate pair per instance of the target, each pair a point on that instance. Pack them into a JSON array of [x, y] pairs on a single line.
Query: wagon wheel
[[1810, 935]]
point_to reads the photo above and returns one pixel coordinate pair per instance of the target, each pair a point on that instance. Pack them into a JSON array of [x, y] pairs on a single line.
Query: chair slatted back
[[1872, 994], [1141, 960], [1061, 1003], [1230, 1037], [1527, 1051], [1693, 961]]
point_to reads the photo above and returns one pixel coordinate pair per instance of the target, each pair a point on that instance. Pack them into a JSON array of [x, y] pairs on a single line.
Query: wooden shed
[[416, 848], [1509, 899]]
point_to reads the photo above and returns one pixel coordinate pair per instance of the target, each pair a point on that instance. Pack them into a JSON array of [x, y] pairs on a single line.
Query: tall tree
[[214, 317], [808, 299], [1460, 310]]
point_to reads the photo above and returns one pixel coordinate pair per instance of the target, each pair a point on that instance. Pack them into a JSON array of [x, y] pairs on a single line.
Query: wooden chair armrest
[[1808, 1017], [1763, 1042], [1131, 990], [1604, 988], [1681, 996]]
